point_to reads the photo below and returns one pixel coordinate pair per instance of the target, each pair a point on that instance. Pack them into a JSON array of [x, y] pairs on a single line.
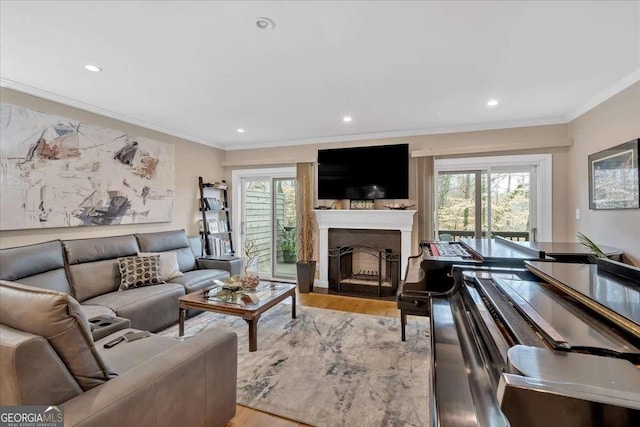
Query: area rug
[[330, 368]]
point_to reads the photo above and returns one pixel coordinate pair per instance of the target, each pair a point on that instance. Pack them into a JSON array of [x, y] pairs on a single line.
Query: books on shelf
[[215, 226], [219, 246], [213, 204]]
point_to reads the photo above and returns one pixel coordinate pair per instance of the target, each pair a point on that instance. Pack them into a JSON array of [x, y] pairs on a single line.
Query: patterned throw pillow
[[169, 267], [137, 271]]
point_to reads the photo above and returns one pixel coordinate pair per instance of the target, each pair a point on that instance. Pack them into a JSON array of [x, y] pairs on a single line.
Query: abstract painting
[[60, 172]]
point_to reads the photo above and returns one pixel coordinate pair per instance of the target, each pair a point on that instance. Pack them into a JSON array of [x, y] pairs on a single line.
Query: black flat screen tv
[[364, 173]]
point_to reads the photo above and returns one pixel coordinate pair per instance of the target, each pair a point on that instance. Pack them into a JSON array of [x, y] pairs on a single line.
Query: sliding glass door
[[459, 205], [512, 211], [267, 212], [256, 231], [488, 202], [285, 232]]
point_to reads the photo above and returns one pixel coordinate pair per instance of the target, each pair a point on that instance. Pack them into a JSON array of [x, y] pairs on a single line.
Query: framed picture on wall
[[614, 179]]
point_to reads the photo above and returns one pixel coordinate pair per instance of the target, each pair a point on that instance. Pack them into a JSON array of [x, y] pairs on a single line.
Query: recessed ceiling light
[[265, 23], [93, 68], [492, 103], [240, 130], [347, 119]]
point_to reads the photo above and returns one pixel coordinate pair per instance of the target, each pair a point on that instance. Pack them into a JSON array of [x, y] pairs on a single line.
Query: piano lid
[[614, 293], [575, 368], [500, 249], [567, 321], [566, 248]]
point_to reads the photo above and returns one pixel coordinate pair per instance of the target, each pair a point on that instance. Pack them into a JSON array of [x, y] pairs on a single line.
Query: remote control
[[132, 336], [117, 341]]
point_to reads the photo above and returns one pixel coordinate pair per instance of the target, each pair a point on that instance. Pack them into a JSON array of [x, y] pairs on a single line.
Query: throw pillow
[[137, 271], [169, 267]]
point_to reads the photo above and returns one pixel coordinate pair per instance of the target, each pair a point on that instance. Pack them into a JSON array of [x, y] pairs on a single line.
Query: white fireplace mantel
[[401, 220]]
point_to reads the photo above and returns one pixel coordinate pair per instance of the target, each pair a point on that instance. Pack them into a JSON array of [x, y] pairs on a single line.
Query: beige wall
[[552, 139], [191, 160], [532, 137], [613, 122]]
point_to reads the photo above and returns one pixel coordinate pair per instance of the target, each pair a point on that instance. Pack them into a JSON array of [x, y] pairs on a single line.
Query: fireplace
[[394, 224], [364, 261]]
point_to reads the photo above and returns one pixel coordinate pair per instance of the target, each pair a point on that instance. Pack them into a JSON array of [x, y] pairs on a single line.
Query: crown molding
[[404, 133], [50, 96], [270, 162], [554, 120], [612, 90], [514, 145]]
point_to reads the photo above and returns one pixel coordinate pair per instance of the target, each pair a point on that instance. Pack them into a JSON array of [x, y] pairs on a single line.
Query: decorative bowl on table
[[249, 282]]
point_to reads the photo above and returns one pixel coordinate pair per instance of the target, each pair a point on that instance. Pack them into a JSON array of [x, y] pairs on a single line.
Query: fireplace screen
[[364, 269]]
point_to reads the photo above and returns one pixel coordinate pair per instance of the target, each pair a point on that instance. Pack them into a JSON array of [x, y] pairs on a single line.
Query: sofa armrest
[[195, 242], [193, 383], [101, 326], [233, 265], [31, 371]]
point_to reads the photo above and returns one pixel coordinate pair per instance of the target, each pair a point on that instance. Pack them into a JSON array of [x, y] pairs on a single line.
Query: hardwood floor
[[247, 417]]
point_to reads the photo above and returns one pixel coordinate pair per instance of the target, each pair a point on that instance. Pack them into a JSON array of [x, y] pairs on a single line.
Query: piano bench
[[409, 306]]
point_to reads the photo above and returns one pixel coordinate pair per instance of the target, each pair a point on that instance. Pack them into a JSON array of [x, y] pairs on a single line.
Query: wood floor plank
[[248, 417]]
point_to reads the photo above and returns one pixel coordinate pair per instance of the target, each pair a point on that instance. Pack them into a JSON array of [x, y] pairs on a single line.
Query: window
[[508, 196]]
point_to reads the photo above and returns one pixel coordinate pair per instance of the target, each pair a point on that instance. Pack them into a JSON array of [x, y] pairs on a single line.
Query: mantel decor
[[361, 204], [61, 172], [614, 179]]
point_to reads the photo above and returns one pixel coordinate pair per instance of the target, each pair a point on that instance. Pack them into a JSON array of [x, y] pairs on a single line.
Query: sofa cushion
[[40, 265], [169, 267], [93, 266], [128, 355], [91, 311], [175, 241], [58, 318], [137, 271], [199, 279], [150, 308]]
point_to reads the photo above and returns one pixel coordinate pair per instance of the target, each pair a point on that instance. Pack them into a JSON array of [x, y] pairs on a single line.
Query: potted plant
[[596, 252], [306, 265], [288, 245]]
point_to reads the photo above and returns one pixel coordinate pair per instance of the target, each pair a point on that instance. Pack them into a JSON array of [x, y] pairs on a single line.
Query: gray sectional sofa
[[90, 274], [49, 289]]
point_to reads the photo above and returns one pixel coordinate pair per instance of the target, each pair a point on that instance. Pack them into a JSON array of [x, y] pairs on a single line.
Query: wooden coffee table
[[269, 294]]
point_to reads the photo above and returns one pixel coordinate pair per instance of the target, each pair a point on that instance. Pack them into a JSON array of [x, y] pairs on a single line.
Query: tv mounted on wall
[[364, 173]]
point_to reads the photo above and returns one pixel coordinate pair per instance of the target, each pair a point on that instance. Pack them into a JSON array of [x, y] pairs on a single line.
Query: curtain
[[305, 216], [425, 196]]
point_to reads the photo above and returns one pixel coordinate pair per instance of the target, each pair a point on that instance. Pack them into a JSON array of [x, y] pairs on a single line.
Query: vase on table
[[250, 277]]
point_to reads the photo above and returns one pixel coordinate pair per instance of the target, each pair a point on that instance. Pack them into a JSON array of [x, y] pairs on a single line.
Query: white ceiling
[[201, 70]]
